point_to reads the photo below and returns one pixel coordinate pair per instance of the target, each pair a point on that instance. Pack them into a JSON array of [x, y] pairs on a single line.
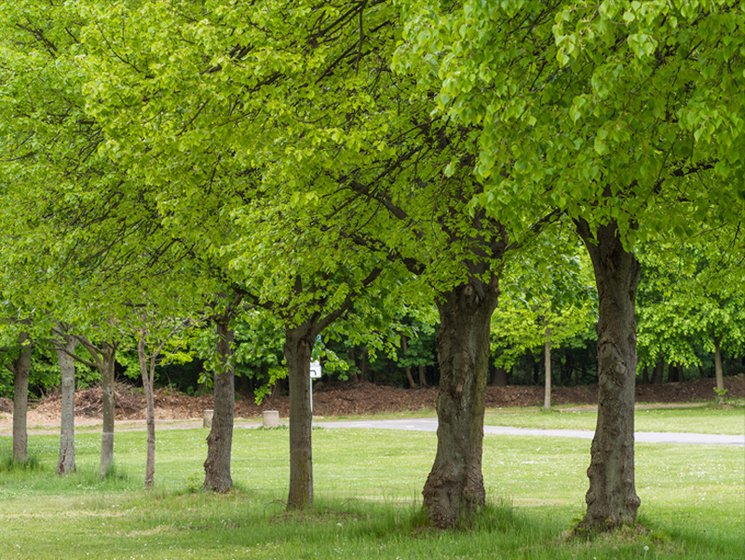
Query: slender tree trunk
[[21, 371], [455, 487], [718, 370], [422, 375], [611, 499], [148, 378], [66, 460], [409, 375], [547, 368], [298, 349], [220, 440], [109, 407]]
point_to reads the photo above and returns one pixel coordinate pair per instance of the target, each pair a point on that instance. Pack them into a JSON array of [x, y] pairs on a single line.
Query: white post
[[315, 373]]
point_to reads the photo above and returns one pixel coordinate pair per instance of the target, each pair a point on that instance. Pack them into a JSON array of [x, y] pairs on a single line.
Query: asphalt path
[[430, 425]]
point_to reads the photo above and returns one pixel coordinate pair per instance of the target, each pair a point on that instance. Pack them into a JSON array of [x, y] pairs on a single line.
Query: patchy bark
[[455, 486], [21, 369], [65, 350], [719, 372], [217, 476], [611, 499], [297, 350]]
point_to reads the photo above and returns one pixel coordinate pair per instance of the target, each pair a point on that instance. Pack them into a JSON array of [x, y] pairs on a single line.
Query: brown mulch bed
[[367, 398]]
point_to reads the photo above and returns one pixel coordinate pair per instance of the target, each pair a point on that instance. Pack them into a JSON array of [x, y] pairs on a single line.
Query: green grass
[[697, 419], [367, 491]]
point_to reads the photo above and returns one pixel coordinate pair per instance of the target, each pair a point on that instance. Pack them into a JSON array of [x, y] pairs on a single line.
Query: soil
[[350, 399]]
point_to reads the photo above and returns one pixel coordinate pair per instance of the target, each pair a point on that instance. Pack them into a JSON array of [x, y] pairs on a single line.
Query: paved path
[[430, 425]]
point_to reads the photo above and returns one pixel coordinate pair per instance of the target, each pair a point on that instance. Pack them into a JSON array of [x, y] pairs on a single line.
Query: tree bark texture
[[108, 362], [65, 350], [217, 476], [455, 486], [718, 369], [147, 373], [21, 370], [297, 350], [611, 499], [547, 368]]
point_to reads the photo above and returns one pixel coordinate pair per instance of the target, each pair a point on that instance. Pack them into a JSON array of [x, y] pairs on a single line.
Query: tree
[[546, 302], [612, 112], [65, 345]]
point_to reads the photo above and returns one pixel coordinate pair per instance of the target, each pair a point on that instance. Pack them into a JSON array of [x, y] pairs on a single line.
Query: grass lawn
[[367, 501]]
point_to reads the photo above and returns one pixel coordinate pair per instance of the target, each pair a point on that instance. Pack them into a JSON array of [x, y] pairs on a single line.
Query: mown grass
[[367, 501], [703, 418]]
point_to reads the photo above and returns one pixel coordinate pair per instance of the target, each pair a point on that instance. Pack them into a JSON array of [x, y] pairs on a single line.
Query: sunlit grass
[[367, 490]]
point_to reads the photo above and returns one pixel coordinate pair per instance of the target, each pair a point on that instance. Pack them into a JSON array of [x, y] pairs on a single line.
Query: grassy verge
[[367, 492]]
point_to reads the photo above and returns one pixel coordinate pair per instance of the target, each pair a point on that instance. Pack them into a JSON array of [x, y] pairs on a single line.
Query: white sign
[[315, 370]]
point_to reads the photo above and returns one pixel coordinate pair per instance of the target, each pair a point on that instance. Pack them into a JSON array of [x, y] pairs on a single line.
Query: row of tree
[[336, 165]]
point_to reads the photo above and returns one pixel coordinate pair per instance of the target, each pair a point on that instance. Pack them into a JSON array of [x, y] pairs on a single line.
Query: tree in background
[[547, 300]]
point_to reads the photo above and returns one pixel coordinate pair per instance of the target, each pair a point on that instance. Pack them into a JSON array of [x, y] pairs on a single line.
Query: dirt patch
[[358, 398]]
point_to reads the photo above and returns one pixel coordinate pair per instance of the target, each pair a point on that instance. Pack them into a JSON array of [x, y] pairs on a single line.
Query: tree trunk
[[65, 350], [148, 378], [455, 486], [645, 376], [21, 371], [658, 375], [500, 377], [297, 350], [220, 440], [611, 499], [409, 375], [547, 368], [718, 370], [422, 375], [109, 407]]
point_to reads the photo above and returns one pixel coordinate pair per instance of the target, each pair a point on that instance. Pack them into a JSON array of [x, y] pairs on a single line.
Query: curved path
[[430, 425]]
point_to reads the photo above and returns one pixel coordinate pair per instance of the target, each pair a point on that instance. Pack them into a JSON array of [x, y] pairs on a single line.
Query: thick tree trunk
[[547, 369], [455, 487], [21, 371], [66, 460], [148, 377], [611, 499], [109, 407], [718, 370], [298, 349], [220, 440]]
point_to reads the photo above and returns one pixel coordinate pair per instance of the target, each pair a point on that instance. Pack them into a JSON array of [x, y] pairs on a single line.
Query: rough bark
[[108, 362], [65, 350], [21, 370], [611, 499], [547, 369], [297, 350], [455, 487], [217, 476]]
